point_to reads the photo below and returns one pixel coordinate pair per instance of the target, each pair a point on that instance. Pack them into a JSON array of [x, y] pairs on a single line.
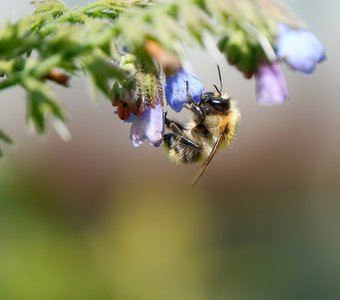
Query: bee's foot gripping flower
[[299, 48], [271, 85], [176, 88], [148, 126]]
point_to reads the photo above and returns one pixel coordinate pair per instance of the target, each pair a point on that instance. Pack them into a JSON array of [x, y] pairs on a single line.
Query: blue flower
[[176, 87], [299, 48], [271, 86], [148, 126]]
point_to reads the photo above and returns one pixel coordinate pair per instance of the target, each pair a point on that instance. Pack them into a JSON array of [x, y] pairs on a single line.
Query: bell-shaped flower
[[271, 85], [176, 88], [299, 48], [148, 126]]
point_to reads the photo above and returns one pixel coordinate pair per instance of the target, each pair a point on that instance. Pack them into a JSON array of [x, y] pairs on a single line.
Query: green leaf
[[16, 39], [4, 137], [51, 7], [40, 102], [102, 71]]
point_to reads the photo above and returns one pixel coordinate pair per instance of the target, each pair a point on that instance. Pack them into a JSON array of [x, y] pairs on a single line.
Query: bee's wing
[[207, 161]]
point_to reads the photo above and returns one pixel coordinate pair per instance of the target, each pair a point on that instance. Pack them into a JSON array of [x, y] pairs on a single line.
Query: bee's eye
[[205, 96], [219, 103]]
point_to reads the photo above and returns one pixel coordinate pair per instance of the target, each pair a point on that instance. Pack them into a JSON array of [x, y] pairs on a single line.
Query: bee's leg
[[196, 109], [187, 142], [178, 133], [172, 139], [175, 127], [193, 106], [182, 149]]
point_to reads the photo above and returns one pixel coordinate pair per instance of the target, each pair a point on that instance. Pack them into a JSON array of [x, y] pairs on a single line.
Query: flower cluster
[[140, 99], [300, 49], [148, 123]]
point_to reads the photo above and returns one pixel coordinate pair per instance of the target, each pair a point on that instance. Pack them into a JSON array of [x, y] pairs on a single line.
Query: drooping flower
[[176, 88], [148, 126], [299, 48], [271, 85]]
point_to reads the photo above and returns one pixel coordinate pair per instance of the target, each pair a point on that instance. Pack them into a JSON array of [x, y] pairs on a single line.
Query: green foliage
[[87, 40], [5, 138]]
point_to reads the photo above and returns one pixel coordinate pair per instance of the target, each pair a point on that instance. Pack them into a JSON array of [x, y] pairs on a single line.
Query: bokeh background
[[95, 218]]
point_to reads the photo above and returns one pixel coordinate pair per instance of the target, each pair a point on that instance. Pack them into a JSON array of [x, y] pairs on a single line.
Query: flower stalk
[[58, 43]]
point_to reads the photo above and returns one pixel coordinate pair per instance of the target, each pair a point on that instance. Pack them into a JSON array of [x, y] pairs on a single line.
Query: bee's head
[[215, 102]]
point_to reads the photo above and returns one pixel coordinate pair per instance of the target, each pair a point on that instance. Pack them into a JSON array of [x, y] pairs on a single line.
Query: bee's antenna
[[220, 77], [218, 91]]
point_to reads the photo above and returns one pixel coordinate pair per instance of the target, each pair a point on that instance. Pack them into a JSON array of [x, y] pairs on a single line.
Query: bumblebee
[[213, 126]]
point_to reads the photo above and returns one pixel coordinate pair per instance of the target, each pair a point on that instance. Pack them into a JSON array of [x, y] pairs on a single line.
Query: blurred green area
[[155, 240]]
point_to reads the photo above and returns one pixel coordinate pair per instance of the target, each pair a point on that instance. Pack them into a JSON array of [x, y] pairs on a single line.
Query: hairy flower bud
[[139, 90], [241, 51], [170, 62]]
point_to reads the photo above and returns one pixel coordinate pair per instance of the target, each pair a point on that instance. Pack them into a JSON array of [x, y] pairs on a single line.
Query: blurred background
[[95, 218]]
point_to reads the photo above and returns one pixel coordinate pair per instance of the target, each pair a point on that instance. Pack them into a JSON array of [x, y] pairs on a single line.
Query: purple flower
[[148, 126], [299, 48], [176, 87], [271, 86]]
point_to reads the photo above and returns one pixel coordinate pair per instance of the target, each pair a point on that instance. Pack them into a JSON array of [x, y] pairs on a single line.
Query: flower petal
[[155, 130], [176, 87], [271, 86], [149, 125], [299, 48]]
